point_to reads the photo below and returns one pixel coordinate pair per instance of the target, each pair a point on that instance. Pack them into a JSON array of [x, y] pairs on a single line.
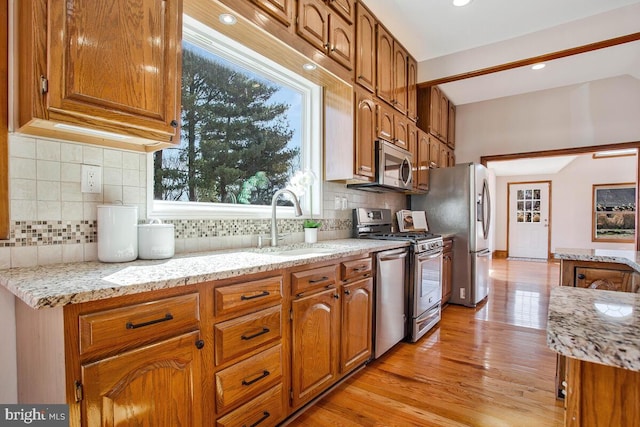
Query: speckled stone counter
[[61, 284], [595, 326], [630, 258]]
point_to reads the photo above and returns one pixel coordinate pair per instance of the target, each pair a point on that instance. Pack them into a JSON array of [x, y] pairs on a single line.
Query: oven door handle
[[430, 256], [392, 257]]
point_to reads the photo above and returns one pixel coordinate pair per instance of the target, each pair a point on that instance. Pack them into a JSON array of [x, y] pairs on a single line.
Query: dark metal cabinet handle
[[174, 123], [264, 374], [322, 279], [260, 295], [336, 296], [166, 317], [581, 276], [265, 415], [200, 344], [362, 268], [347, 292], [250, 337]]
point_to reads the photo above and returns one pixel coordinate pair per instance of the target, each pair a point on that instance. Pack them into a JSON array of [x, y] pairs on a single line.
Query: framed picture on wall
[[614, 213]]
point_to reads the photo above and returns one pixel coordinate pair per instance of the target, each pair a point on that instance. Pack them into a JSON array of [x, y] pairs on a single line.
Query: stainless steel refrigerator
[[458, 203]]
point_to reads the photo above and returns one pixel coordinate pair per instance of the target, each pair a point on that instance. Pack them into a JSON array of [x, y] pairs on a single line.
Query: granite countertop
[[630, 258], [595, 326], [62, 284]]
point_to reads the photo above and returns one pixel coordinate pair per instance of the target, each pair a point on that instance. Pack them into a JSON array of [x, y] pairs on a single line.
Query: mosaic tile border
[[42, 233]]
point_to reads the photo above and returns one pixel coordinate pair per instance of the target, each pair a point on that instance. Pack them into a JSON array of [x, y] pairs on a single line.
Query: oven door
[[428, 281]]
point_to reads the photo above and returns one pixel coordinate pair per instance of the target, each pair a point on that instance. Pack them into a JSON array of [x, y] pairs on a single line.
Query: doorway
[[528, 227]]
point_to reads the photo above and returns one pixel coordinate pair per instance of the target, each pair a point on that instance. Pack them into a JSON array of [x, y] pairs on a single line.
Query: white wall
[[602, 112], [571, 200]]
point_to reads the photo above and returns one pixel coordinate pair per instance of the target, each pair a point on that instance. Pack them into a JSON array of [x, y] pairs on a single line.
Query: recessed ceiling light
[[460, 3], [309, 66], [539, 66], [227, 19]]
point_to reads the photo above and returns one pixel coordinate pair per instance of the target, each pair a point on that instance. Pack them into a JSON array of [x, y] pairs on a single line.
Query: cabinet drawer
[[263, 411], [248, 378], [313, 278], [138, 324], [358, 268], [246, 333], [244, 296]]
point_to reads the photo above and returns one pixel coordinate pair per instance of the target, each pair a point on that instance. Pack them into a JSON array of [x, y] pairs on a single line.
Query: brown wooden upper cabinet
[[436, 114], [322, 26], [391, 78], [346, 9], [281, 10], [97, 66], [412, 89], [421, 160], [365, 72], [365, 134]]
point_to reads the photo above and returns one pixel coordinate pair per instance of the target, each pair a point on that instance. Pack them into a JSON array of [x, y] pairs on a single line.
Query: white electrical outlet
[[344, 203], [337, 203], [91, 181], [463, 293]]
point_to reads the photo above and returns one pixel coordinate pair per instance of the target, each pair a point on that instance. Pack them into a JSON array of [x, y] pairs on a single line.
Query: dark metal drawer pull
[[166, 317], [260, 295], [265, 374], [322, 279], [359, 269], [249, 337], [265, 415]]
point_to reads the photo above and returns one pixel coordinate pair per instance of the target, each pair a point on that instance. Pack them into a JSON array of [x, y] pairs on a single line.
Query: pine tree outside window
[[248, 125]]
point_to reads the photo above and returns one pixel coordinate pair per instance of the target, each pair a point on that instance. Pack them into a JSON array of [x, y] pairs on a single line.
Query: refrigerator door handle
[[484, 209]]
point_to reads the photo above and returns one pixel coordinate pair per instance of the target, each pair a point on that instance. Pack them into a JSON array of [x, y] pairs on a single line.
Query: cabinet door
[[422, 161], [385, 66], [313, 23], [443, 157], [399, 78], [412, 89], [444, 114], [157, 385], [116, 66], [365, 49], [400, 131], [365, 135], [434, 111], [282, 10], [605, 279], [357, 312], [412, 146], [346, 9], [434, 152], [385, 125], [315, 344], [451, 120], [341, 41]]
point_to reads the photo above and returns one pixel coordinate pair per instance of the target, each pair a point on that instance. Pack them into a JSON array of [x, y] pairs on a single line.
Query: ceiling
[[448, 41]]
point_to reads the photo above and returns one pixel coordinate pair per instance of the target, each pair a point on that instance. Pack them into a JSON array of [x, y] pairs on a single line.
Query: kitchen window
[[614, 213], [247, 126]]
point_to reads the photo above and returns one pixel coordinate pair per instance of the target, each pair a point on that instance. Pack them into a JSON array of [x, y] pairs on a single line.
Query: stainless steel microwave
[[393, 170]]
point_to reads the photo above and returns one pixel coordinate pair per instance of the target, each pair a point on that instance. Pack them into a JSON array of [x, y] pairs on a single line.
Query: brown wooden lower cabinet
[[599, 395], [249, 350], [152, 386]]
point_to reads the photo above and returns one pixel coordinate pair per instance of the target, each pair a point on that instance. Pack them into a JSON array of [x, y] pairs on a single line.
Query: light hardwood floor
[[487, 366]]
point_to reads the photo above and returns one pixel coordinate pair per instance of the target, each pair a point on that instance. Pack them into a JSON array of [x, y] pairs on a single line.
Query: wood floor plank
[[487, 366]]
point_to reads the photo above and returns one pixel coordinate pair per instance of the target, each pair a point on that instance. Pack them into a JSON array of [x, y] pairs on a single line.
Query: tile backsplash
[[52, 221]]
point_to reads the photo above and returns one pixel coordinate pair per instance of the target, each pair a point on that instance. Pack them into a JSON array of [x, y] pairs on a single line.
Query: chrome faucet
[[274, 226]]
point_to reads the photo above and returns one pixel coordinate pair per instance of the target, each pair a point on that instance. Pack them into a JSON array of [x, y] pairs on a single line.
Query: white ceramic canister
[[117, 233], [156, 240]]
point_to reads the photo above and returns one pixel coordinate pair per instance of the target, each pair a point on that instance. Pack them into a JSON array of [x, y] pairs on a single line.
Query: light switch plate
[[91, 180]]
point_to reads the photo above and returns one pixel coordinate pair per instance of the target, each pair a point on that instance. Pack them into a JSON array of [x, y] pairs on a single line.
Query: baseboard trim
[[500, 254]]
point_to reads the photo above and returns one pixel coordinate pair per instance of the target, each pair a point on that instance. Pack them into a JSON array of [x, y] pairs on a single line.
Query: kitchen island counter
[[630, 258], [61, 284], [595, 326]]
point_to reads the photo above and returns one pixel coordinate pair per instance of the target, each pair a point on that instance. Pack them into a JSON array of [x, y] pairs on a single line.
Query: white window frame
[[203, 36]]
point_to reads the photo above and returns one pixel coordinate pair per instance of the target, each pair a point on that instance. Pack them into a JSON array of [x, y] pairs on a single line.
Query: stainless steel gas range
[[407, 301]]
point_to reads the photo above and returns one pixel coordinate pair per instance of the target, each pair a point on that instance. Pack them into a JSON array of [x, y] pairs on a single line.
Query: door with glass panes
[[529, 230]]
